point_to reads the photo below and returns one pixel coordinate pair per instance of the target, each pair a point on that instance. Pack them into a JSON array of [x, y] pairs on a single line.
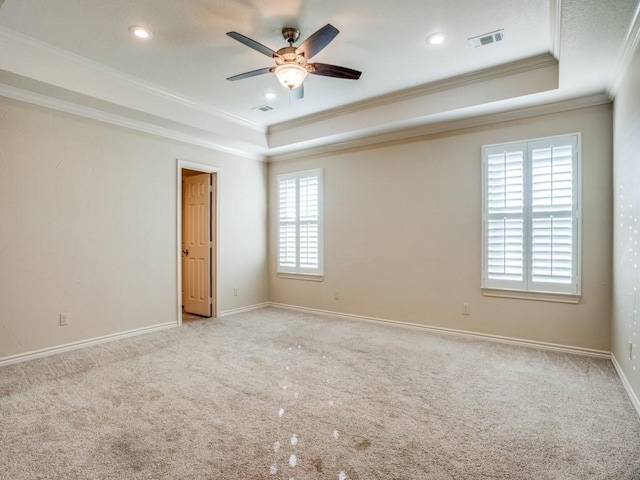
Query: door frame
[[215, 226]]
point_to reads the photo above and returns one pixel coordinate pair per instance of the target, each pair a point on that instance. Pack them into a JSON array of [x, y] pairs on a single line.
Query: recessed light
[[140, 32], [270, 95], [436, 38]]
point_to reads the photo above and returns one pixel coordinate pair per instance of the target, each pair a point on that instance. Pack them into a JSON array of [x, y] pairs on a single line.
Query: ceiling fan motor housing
[[290, 34]]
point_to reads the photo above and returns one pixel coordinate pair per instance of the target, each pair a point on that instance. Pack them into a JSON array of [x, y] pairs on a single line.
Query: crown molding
[[121, 121], [555, 26], [629, 47], [425, 131], [507, 69], [20, 40]]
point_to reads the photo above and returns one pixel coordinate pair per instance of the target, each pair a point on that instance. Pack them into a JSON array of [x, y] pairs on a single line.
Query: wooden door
[[196, 245]]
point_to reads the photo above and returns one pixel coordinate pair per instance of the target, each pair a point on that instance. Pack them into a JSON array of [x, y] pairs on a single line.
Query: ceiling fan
[[291, 62]]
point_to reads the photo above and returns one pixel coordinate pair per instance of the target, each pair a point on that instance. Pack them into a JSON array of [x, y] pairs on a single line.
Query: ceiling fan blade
[[318, 41], [253, 44], [334, 71], [298, 93], [252, 73]]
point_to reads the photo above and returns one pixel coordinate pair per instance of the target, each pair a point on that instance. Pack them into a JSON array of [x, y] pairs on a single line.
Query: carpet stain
[[363, 445], [173, 436], [124, 449], [317, 464]]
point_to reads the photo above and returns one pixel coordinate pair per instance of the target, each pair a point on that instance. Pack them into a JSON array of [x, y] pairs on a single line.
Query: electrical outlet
[[465, 309], [64, 319], [336, 295], [235, 292]]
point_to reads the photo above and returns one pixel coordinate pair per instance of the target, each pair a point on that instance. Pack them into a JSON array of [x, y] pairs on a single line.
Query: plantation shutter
[[287, 215], [299, 222], [530, 216], [309, 222], [504, 217], [553, 215]]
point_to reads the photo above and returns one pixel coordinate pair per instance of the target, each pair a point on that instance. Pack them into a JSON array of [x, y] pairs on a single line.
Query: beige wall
[[402, 232], [88, 227], [87, 215], [626, 228]]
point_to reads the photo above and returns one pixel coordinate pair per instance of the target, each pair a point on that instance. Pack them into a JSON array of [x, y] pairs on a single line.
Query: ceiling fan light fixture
[[291, 75]]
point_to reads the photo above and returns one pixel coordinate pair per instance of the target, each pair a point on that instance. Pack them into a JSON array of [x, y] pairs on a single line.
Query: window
[[300, 223], [531, 216]]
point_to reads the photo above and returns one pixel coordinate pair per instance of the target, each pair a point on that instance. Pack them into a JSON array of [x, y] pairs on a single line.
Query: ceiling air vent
[[263, 108], [486, 39]]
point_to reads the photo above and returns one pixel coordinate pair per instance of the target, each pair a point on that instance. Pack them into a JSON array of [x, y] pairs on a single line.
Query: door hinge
[[210, 301]]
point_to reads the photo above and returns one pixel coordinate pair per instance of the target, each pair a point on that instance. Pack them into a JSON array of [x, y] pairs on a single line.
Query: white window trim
[[494, 289], [539, 296], [297, 272], [310, 277]]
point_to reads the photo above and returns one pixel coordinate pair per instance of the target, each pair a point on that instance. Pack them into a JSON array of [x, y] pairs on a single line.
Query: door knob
[[186, 252]]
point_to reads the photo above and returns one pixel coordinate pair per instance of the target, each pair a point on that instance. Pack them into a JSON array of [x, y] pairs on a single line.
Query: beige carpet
[[274, 394]]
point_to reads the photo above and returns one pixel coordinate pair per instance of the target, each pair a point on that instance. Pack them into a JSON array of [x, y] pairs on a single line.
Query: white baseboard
[[450, 331], [627, 386], [23, 357], [249, 308]]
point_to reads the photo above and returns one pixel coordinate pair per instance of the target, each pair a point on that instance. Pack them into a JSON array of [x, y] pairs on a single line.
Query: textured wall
[[403, 235], [88, 227], [626, 227]]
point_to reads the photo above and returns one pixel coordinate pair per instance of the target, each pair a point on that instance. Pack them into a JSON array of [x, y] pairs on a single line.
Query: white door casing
[[193, 168]]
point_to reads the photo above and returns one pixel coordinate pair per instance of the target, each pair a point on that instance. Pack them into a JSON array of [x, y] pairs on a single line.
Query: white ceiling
[[80, 53]]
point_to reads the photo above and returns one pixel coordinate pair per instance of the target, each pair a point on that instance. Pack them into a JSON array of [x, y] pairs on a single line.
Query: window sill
[[301, 276], [538, 296]]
